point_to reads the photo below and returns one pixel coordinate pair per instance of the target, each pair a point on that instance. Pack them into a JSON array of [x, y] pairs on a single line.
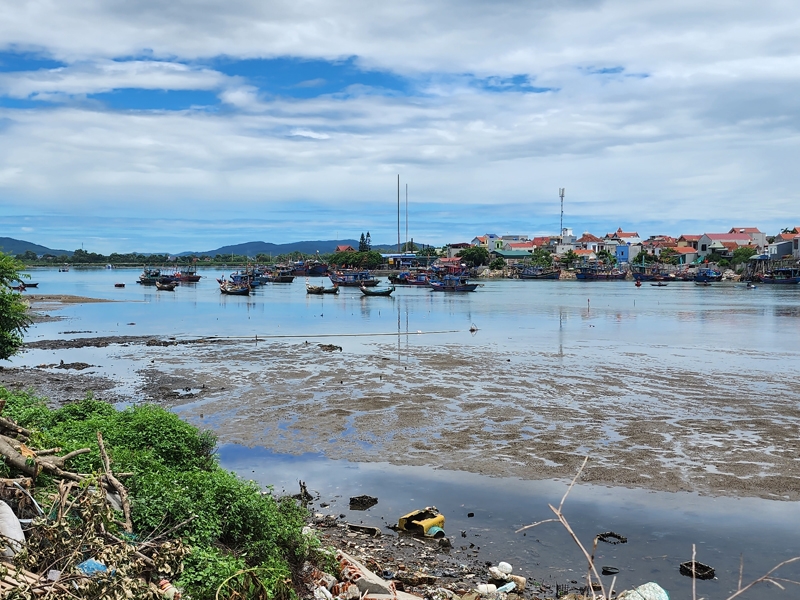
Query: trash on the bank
[[168, 590], [444, 542], [373, 531], [320, 593], [362, 502], [497, 575], [609, 537], [505, 567], [507, 587], [520, 581], [486, 588], [648, 591], [697, 570], [13, 539], [91, 567], [422, 522]]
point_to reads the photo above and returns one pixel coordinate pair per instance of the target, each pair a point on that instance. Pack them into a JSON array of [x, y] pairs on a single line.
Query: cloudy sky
[[172, 126]]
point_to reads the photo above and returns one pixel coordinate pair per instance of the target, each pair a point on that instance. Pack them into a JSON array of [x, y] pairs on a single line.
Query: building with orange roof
[[756, 236]]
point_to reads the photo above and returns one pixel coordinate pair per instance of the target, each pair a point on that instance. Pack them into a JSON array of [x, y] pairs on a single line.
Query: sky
[[158, 126]]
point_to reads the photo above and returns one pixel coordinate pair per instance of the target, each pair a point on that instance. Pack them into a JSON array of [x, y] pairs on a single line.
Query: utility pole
[[407, 218], [561, 195]]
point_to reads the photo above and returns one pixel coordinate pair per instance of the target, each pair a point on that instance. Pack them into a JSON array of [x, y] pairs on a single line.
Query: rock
[[647, 591], [520, 581]]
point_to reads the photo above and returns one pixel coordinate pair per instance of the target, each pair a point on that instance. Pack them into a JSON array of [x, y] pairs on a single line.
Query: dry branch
[[9, 425], [123, 493]]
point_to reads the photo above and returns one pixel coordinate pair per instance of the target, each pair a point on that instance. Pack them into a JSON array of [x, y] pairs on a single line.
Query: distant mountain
[[12, 246], [307, 247]]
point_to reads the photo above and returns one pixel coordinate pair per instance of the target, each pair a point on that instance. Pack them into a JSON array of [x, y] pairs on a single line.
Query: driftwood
[[18, 455], [7, 425], [123, 493]]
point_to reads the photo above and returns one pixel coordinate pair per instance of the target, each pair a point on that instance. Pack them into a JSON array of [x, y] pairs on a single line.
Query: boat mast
[[407, 218], [561, 195], [398, 213]]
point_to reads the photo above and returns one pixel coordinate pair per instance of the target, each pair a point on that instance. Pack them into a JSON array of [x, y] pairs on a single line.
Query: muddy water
[[691, 392]]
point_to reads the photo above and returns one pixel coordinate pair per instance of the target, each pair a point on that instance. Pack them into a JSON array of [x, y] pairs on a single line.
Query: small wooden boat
[[18, 288], [659, 284], [638, 283], [166, 286], [319, 290], [33, 285], [119, 285], [377, 291], [233, 289], [703, 283], [696, 570]]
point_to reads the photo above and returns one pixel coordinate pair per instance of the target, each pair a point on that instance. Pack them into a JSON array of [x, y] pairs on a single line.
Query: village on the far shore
[[742, 253]]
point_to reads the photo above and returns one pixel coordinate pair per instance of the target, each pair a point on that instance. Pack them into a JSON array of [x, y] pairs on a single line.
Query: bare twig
[[694, 572], [766, 577], [123, 493]]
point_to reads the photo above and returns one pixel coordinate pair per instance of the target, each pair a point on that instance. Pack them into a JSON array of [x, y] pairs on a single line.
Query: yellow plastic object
[[420, 521]]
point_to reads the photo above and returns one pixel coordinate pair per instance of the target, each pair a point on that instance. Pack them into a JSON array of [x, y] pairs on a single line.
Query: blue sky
[[169, 127]]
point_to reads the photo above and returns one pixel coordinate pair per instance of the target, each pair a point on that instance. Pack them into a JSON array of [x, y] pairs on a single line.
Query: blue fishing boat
[[353, 279], [452, 283], [599, 273], [707, 275], [783, 275]]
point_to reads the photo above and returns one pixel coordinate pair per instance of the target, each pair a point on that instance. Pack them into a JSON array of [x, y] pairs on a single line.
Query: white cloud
[[107, 75]]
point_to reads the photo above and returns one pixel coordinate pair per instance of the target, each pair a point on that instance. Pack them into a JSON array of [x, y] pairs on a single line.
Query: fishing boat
[[187, 275], [703, 283], [354, 278], [421, 279], [708, 275], [149, 276], [278, 275], [166, 286], [233, 289], [658, 284], [539, 273], [309, 268], [453, 283], [31, 284], [321, 289], [119, 285], [377, 291], [783, 276], [599, 273]]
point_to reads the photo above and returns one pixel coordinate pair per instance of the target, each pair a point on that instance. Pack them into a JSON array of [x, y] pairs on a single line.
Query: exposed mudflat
[[527, 413]]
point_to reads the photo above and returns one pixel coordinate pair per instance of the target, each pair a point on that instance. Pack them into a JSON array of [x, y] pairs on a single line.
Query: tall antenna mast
[[407, 248], [398, 213], [561, 195]]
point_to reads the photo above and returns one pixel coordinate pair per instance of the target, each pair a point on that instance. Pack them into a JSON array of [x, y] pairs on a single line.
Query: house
[[454, 249], [511, 257], [686, 254], [689, 241], [626, 253], [759, 239], [796, 246], [624, 236], [782, 245], [656, 243], [714, 242], [485, 241], [589, 242], [528, 246], [585, 255], [345, 248]]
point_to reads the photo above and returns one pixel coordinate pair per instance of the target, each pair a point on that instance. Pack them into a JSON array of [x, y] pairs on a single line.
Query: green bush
[[235, 532]]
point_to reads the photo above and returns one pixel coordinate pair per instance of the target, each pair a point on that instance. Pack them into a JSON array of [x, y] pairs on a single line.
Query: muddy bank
[[523, 413]]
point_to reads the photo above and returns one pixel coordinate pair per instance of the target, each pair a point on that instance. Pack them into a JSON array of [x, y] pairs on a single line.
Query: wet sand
[[524, 413]]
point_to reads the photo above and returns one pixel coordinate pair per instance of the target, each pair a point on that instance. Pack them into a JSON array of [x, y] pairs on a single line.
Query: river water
[[549, 356]]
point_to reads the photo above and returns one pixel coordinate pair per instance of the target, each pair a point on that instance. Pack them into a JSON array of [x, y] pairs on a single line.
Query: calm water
[[752, 331]]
